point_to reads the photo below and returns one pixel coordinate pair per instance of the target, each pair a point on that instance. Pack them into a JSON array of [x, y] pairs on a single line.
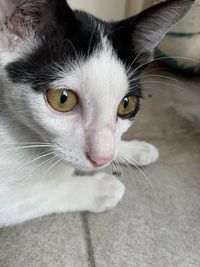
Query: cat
[[69, 90]]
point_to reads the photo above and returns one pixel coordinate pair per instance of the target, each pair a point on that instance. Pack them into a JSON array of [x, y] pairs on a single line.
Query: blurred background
[[180, 48], [158, 222], [112, 9]]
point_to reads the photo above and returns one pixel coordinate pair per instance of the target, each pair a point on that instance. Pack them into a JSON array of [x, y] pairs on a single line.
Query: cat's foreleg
[[138, 153], [96, 193]]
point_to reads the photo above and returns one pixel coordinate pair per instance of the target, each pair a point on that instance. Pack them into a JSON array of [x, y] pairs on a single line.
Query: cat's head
[[74, 79]]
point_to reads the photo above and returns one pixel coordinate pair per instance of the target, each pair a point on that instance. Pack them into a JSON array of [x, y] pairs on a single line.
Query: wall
[[106, 9], [136, 6], [111, 9]]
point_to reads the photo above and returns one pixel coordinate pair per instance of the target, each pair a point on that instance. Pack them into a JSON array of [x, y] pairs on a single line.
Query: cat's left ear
[[20, 19], [142, 33]]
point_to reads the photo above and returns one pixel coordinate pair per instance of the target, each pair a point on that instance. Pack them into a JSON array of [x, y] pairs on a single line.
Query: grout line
[[90, 250]]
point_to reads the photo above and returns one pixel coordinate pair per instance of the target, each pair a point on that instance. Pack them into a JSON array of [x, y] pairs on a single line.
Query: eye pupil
[[127, 107], [126, 102], [62, 100], [64, 97]]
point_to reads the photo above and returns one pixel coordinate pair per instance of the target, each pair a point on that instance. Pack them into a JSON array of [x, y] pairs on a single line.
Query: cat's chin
[[88, 169]]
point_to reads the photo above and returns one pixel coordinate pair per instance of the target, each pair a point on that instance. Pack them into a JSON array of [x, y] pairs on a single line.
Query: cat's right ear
[[20, 19], [138, 36]]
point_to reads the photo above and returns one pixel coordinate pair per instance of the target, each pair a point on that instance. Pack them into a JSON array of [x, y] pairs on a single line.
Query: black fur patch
[[65, 35], [71, 34]]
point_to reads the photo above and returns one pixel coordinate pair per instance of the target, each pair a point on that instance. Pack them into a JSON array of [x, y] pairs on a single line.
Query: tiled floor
[[157, 223]]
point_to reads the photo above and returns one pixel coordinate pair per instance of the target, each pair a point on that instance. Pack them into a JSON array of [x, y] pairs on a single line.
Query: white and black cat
[[69, 89]]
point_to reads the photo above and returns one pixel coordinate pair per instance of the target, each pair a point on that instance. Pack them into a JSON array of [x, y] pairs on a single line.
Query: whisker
[[46, 161], [91, 38], [73, 47], [131, 65], [53, 166], [161, 58], [145, 149], [116, 168], [144, 175], [120, 170], [164, 83], [26, 143], [110, 169], [131, 170], [154, 70], [38, 158], [123, 145], [162, 76], [27, 147], [20, 170]]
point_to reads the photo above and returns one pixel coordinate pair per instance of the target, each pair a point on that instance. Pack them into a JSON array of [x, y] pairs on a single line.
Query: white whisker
[[53, 166], [27, 147], [131, 170], [144, 175], [38, 158], [120, 169]]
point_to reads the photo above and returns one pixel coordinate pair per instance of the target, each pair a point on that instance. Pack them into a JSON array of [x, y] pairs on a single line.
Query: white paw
[[109, 191], [140, 153]]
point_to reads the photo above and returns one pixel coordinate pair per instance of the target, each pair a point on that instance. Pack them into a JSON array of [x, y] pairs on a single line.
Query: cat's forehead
[[84, 60], [101, 74]]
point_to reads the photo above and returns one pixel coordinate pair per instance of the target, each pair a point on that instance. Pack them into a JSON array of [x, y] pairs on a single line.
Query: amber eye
[[127, 106], [62, 100]]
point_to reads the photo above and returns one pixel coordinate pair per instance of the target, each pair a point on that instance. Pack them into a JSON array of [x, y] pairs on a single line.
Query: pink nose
[[99, 161]]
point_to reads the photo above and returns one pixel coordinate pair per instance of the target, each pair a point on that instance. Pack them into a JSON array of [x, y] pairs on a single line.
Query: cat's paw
[[140, 153], [147, 154], [108, 192]]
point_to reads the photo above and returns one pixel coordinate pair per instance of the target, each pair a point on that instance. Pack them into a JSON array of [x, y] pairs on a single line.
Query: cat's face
[[89, 133], [73, 79]]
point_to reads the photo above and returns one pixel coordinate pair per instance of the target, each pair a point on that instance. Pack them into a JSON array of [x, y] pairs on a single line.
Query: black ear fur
[[154, 23], [140, 35], [59, 13]]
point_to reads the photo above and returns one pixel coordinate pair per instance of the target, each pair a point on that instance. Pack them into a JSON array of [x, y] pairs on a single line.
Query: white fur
[[139, 153], [27, 189], [32, 184]]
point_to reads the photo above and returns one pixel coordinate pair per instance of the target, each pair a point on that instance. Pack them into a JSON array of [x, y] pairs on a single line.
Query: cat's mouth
[[90, 167], [86, 165], [83, 161]]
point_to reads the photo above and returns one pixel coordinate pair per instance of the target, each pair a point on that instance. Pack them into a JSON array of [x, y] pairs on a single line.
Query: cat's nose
[[99, 161], [100, 145]]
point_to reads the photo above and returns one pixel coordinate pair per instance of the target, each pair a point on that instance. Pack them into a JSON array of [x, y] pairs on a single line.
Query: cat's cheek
[[54, 122], [66, 126], [123, 126]]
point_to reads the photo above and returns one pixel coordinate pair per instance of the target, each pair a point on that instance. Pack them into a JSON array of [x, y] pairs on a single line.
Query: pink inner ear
[[19, 17], [7, 8], [9, 24], [8, 40], [18, 24]]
